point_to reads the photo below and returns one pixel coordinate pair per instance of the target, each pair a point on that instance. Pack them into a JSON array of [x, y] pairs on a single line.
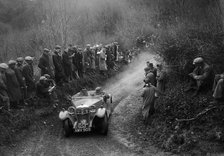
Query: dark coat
[[59, 70], [87, 54], [77, 60], [13, 85], [19, 75], [3, 87], [66, 60], [28, 75], [148, 95], [42, 89], [44, 65], [115, 48]]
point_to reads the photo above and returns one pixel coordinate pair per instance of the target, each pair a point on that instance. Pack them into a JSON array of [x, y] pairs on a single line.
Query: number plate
[[83, 129]]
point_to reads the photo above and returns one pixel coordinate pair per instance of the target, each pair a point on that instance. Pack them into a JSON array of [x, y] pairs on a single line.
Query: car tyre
[[67, 128], [104, 125]]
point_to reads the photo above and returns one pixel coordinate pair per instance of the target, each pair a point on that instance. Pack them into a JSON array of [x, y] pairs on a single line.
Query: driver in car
[[99, 91]]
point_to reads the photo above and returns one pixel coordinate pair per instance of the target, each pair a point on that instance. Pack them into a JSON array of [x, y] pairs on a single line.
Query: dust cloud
[[131, 79]]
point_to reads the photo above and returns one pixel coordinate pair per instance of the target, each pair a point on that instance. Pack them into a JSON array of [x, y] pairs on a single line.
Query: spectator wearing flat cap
[[4, 98], [45, 91], [13, 85], [72, 50], [75, 62], [93, 58], [19, 71], [19, 62], [202, 76], [28, 74], [87, 57], [78, 62], [19, 74], [58, 65], [110, 58], [67, 65], [44, 63]]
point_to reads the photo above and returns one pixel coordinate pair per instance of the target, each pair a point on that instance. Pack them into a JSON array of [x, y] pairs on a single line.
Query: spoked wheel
[[67, 128]]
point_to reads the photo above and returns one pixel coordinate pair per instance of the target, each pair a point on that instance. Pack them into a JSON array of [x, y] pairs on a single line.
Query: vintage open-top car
[[90, 110]]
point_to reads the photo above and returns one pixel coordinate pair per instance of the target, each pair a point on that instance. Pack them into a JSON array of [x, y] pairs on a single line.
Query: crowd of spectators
[[57, 67]]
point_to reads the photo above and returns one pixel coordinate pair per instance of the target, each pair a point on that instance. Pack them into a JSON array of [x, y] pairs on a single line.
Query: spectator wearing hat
[[13, 86], [102, 61], [74, 61], [97, 49], [19, 74], [201, 77], [152, 69], [44, 63], [19, 71], [67, 65], [150, 76], [28, 74], [44, 90], [93, 58], [4, 98], [148, 95], [72, 50], [59, 70], [78, 61], [87, 57], [42, 87], [110, 58], [20, 62]]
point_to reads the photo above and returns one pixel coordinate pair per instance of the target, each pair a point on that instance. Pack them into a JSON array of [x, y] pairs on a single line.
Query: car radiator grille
[[82, 111], [85, 117]]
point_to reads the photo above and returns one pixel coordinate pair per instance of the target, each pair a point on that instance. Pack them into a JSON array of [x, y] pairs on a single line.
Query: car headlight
[[71, 110]]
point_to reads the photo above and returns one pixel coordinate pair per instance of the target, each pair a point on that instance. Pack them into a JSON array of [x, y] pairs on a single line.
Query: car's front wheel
[[67, 128], [104, 125]]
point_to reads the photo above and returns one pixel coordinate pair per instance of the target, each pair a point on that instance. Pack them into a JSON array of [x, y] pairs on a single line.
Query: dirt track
[[49, 141]]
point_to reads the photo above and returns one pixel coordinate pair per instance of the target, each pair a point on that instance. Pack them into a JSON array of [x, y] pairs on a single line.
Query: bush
[[183, 136]]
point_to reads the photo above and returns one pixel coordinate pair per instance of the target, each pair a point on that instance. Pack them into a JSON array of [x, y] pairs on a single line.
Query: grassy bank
[[202, 135]]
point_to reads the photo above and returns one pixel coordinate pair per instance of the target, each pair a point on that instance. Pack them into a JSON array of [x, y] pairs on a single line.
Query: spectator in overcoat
[[59, 70], [28, 74], [4, 98], [44, 63], [13, 85]]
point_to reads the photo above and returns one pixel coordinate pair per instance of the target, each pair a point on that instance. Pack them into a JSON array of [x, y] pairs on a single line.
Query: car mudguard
[[65, 115], [101, 112]]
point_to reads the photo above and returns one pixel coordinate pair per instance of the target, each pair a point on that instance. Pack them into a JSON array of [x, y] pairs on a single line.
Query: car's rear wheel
[[67, 128]]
